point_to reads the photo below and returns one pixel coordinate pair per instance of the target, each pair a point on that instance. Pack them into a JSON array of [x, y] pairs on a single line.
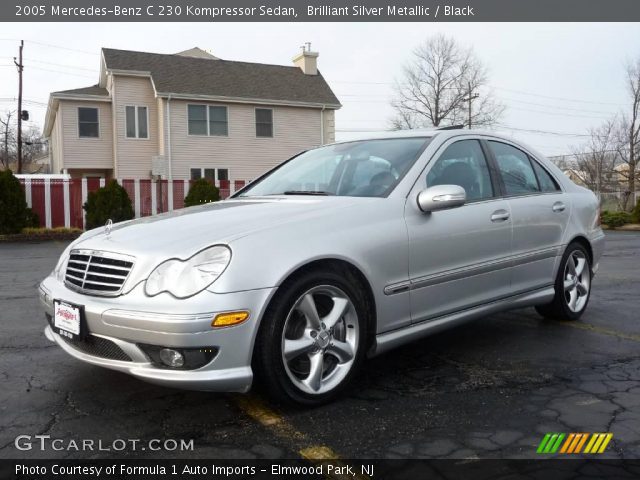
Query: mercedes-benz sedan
[[339, 253]]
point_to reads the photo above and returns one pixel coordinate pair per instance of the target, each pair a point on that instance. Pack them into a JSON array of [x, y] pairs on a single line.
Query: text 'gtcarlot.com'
[[45, 442]]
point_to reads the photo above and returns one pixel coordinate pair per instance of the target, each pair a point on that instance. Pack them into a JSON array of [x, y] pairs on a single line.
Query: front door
[[458, 258]]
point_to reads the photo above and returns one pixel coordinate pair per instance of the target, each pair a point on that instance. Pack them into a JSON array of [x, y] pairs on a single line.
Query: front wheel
[[572, 286], [312, 339]]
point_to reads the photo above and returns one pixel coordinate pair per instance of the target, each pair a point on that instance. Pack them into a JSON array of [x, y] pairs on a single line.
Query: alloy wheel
[[577, 281], [320, 339]]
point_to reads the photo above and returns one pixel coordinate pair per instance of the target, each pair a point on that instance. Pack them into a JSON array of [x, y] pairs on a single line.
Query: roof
[[92, 90], [188, 75], [198, 53]]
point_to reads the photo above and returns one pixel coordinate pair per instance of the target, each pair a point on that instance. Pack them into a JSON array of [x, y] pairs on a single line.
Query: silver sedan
[[339, 253]]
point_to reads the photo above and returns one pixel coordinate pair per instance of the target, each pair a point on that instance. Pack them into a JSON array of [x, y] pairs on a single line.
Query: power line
[[73, 67], [542, 112], [521, 92], [44, 44], [61, 72], [556, 107]]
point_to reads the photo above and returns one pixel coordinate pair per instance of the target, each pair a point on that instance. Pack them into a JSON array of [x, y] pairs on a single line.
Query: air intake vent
[[97, 273]]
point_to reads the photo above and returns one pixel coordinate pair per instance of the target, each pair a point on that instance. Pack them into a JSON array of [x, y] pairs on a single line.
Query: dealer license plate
[[67, 319]]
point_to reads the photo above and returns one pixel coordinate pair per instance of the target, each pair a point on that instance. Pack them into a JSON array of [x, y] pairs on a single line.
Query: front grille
[[97, 273], [96, 346]]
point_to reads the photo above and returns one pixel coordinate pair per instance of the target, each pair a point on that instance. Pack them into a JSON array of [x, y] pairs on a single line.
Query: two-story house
[[189, 115]]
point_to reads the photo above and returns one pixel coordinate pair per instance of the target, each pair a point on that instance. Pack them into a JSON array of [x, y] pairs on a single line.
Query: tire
[[572, 286], [308, 358]]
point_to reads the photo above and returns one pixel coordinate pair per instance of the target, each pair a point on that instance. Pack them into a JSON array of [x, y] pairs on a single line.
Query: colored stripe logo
[[574, 443]]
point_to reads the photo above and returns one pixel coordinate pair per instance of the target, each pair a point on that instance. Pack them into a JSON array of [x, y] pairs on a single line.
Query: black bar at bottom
[[115, 469]]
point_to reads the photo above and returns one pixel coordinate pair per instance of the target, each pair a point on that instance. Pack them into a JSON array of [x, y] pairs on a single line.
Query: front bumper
[[124, 323]]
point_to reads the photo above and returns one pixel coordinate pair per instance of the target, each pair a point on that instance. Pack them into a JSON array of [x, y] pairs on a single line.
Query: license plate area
[[68, 320]]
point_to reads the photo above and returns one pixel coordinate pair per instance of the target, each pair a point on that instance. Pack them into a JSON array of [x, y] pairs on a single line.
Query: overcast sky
[[558, 78]]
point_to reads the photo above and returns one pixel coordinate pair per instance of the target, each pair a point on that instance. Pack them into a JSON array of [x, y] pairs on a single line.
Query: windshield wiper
[[306, 192]]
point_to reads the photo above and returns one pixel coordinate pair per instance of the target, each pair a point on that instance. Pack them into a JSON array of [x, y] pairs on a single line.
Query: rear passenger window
[[546, 181], [463, 164], [514, 165]]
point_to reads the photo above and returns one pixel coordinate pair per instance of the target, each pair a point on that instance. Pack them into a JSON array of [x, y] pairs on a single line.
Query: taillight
[[598, 219]]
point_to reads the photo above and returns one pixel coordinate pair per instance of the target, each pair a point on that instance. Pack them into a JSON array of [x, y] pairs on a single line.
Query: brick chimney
[[307, 60]]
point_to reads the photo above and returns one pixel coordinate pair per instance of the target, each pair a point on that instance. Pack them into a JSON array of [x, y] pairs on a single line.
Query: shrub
[[635, 213], [31, 219], [108, 202], [201, 192], [615, 219], [13, 206]]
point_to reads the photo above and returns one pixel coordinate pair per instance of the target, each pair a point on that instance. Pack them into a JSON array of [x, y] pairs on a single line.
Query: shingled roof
[[188, 75], [96, 90]]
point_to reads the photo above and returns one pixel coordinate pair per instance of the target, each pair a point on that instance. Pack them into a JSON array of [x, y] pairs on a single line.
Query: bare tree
[[439, 84], [7, 137], [33, 144], [629, 133], [596, 160]]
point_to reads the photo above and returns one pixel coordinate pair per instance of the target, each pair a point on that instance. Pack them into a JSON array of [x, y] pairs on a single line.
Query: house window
[[218, 124], [208, 120], [264, 122], [88, 125], [210, 174], [137, 122]]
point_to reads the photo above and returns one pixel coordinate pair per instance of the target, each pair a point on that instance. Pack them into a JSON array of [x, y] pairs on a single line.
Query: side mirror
[[441, 197]]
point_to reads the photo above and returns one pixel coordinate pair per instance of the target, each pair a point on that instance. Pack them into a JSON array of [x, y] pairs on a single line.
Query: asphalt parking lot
[[490, 389]]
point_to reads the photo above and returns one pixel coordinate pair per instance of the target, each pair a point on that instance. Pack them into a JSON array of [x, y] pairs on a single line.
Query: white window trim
[[207, 105], [137, 137], [273, 122], [216, 169], [80, 137]]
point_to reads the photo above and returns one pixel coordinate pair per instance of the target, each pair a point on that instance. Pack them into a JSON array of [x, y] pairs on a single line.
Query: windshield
[[370, 168]]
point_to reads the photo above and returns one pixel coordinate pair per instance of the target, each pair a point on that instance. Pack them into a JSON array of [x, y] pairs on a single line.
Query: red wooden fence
[[58, 202]]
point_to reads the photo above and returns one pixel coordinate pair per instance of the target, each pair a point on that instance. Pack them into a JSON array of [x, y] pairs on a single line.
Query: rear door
[[458, 258], [539, 212]]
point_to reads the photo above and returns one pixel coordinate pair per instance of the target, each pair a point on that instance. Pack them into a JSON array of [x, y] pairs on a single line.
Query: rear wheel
[[572, 286], [312, 338]]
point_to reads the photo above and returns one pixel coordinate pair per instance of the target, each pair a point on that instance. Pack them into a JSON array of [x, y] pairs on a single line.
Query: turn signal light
[[229, 318]]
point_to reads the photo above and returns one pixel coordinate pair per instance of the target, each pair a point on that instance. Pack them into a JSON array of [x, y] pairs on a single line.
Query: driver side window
[[463, 163]]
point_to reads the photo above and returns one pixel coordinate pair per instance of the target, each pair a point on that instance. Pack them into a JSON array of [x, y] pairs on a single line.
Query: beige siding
[[133, 156], [56, 145], [245, 156], [79, 152], [329, 127]]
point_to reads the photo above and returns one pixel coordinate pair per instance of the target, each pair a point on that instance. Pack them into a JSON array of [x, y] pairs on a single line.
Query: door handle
[[558, 207], [499, 216]]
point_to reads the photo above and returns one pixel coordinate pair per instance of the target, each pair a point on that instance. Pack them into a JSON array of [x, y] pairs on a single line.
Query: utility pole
[[470, 99], [20, 69]]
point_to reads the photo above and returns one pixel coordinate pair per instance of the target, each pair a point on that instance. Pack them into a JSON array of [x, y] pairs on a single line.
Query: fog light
[[171, 358], [229, 318]]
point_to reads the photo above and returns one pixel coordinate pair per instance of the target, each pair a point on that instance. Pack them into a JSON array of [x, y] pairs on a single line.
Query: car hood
[[183, 232]]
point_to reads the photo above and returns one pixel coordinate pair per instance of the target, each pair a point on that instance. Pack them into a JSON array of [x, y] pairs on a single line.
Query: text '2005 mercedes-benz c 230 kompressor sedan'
[[339, 253]]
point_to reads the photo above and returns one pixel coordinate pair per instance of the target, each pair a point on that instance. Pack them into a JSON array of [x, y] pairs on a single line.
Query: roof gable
[[188, 75]]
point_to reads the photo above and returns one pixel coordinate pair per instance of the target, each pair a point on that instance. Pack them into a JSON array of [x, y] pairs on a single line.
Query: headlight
[[184, 278]]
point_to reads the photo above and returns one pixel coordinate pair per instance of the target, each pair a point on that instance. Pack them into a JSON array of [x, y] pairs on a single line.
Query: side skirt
[[389, 340]]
